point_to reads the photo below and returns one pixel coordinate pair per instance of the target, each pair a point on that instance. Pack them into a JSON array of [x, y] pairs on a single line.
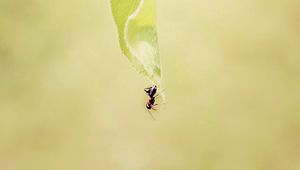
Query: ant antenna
[[151, 114]]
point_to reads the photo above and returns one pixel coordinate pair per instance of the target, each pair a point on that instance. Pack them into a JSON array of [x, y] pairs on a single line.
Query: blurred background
[[70, 100]]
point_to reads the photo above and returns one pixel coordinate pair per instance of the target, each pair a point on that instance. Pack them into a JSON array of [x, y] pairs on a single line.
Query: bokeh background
[[70, 100]]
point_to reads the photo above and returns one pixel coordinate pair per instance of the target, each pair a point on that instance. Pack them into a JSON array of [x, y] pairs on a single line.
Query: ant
[[151, 102]]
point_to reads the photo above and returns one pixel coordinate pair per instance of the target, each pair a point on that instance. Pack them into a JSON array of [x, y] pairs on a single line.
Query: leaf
[[136, 23]]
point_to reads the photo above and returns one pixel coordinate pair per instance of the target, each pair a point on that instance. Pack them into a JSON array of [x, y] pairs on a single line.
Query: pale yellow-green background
[[69, 100]]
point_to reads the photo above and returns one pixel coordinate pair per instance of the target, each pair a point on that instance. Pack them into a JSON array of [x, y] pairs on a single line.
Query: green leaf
[[136, 24]]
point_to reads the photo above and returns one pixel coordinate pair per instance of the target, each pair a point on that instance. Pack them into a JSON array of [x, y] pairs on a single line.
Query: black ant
[[151, 102]]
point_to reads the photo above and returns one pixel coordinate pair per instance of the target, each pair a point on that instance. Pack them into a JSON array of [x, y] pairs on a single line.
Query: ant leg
[[161, 96], [159, 93], [151, 114], [154, 108]]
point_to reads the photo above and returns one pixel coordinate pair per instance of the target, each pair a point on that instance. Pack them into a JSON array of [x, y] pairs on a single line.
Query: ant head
[[148, 106]]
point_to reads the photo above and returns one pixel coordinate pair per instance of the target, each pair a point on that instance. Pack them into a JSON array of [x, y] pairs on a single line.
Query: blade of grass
[[136, 23]]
